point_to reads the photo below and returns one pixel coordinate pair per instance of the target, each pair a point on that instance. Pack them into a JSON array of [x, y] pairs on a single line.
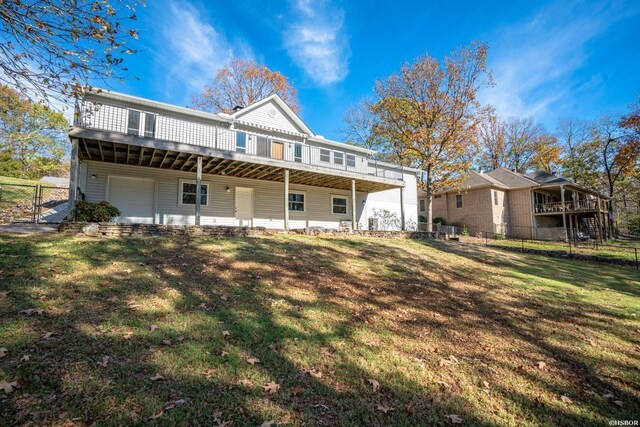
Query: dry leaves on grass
[[454, 419], [314, 373], [48, 335], [3, 352], [8, 386], [3, 294], [296, 390], [153, 327], [267, 424], [253, 360], [157, 377], [25, 358], [271, 387], [448, 361], [541, 365], [31, 311], [226, 333], [375, 384], [384, 407], [104, 362], [566, 399], [244, 382]]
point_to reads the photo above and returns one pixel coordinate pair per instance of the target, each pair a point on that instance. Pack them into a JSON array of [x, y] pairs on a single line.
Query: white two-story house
[[261, 166]]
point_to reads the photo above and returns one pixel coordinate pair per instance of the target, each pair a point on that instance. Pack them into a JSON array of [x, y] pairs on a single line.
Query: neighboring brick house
[[537, 205]]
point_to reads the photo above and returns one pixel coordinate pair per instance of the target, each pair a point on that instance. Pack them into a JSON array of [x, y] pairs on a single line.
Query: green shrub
[[464, 232], [499, 236], [440, 220], [94, 211], [422, 218]]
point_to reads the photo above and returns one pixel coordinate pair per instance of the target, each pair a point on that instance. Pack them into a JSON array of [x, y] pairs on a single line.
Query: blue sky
[[550, 59]]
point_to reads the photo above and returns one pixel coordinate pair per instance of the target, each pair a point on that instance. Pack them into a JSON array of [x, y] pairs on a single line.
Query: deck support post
[[286, 199], [354, 224], [564, 217], [570, 227], [402, 225], [198, 188], [73, 177]]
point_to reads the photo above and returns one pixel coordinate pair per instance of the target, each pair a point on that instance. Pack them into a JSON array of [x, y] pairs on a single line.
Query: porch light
[[228, 189], [94, 176]]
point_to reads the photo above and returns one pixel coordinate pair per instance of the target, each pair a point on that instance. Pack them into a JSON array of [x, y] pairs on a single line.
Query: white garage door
[[134, 197]]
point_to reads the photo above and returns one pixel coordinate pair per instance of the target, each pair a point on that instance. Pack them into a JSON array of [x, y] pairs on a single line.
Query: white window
[[149, 125], [133, 123], [339, 205], [338, 158], [296, 202], [421, 205], [458, 201], [495, 197], [188, 193], [241, 142], [351, 160], [325, 156], [297, 153]]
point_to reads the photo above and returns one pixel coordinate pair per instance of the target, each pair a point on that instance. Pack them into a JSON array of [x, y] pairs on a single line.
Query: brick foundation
[[110, 229]]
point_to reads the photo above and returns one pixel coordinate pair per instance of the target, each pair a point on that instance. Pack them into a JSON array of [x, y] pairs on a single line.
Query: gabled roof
[[511, 179], [278, 101], [474, 180]]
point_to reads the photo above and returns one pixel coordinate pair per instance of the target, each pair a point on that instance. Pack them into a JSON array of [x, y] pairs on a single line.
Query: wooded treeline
[[428, 116]]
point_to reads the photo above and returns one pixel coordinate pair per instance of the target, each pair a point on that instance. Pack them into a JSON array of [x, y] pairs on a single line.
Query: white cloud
[[533, 62], [193, 49], [316, 41]]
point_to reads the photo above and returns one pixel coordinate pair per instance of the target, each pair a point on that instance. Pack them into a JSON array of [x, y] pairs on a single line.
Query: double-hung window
[[325, 155], [149, 125], [339, 205], [188, 193], [241, 142], [133, 123], [458, 201], [351, 161], [495, 197], [297, 153], [296, 202], [421, 205], [338, 157]]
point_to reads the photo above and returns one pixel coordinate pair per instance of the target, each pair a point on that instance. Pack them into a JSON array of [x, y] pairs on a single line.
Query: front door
[[244, 206], [277, 150]]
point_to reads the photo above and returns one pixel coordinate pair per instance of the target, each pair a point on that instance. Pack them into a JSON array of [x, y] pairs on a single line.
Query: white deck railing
[[150, 125]]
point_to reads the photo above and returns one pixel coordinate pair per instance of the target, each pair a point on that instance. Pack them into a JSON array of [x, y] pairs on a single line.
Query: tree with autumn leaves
[[427, 115], [241, 83]]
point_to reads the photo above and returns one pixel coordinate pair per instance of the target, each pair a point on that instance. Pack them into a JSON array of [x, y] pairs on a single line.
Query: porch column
[[564, 218], [286, 199], [353, 205], [73, 177], [402, 226], [198, 188]]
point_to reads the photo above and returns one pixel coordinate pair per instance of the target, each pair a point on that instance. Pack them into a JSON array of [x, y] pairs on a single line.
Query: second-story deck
[[147, 136], [573, 206]]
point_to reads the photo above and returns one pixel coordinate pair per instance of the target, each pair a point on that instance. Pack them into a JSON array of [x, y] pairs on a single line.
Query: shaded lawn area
[[611, 249], [495, 338]]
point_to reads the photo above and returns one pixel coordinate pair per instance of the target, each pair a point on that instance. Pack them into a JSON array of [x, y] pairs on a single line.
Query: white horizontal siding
[[389, 200], [260, 116], [268, 198]]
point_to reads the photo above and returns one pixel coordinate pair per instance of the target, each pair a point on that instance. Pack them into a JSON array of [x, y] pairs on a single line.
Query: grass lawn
[[311, 331], [611, 249]]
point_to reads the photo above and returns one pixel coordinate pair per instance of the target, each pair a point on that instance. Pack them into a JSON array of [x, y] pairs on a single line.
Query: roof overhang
[[135, 150]]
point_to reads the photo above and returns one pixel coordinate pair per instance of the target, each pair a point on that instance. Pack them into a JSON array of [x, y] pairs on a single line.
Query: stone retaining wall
[[110, 229]]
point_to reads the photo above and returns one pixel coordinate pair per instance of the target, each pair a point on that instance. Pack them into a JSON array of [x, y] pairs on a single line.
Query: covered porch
[[578, 211], [201, 163]]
